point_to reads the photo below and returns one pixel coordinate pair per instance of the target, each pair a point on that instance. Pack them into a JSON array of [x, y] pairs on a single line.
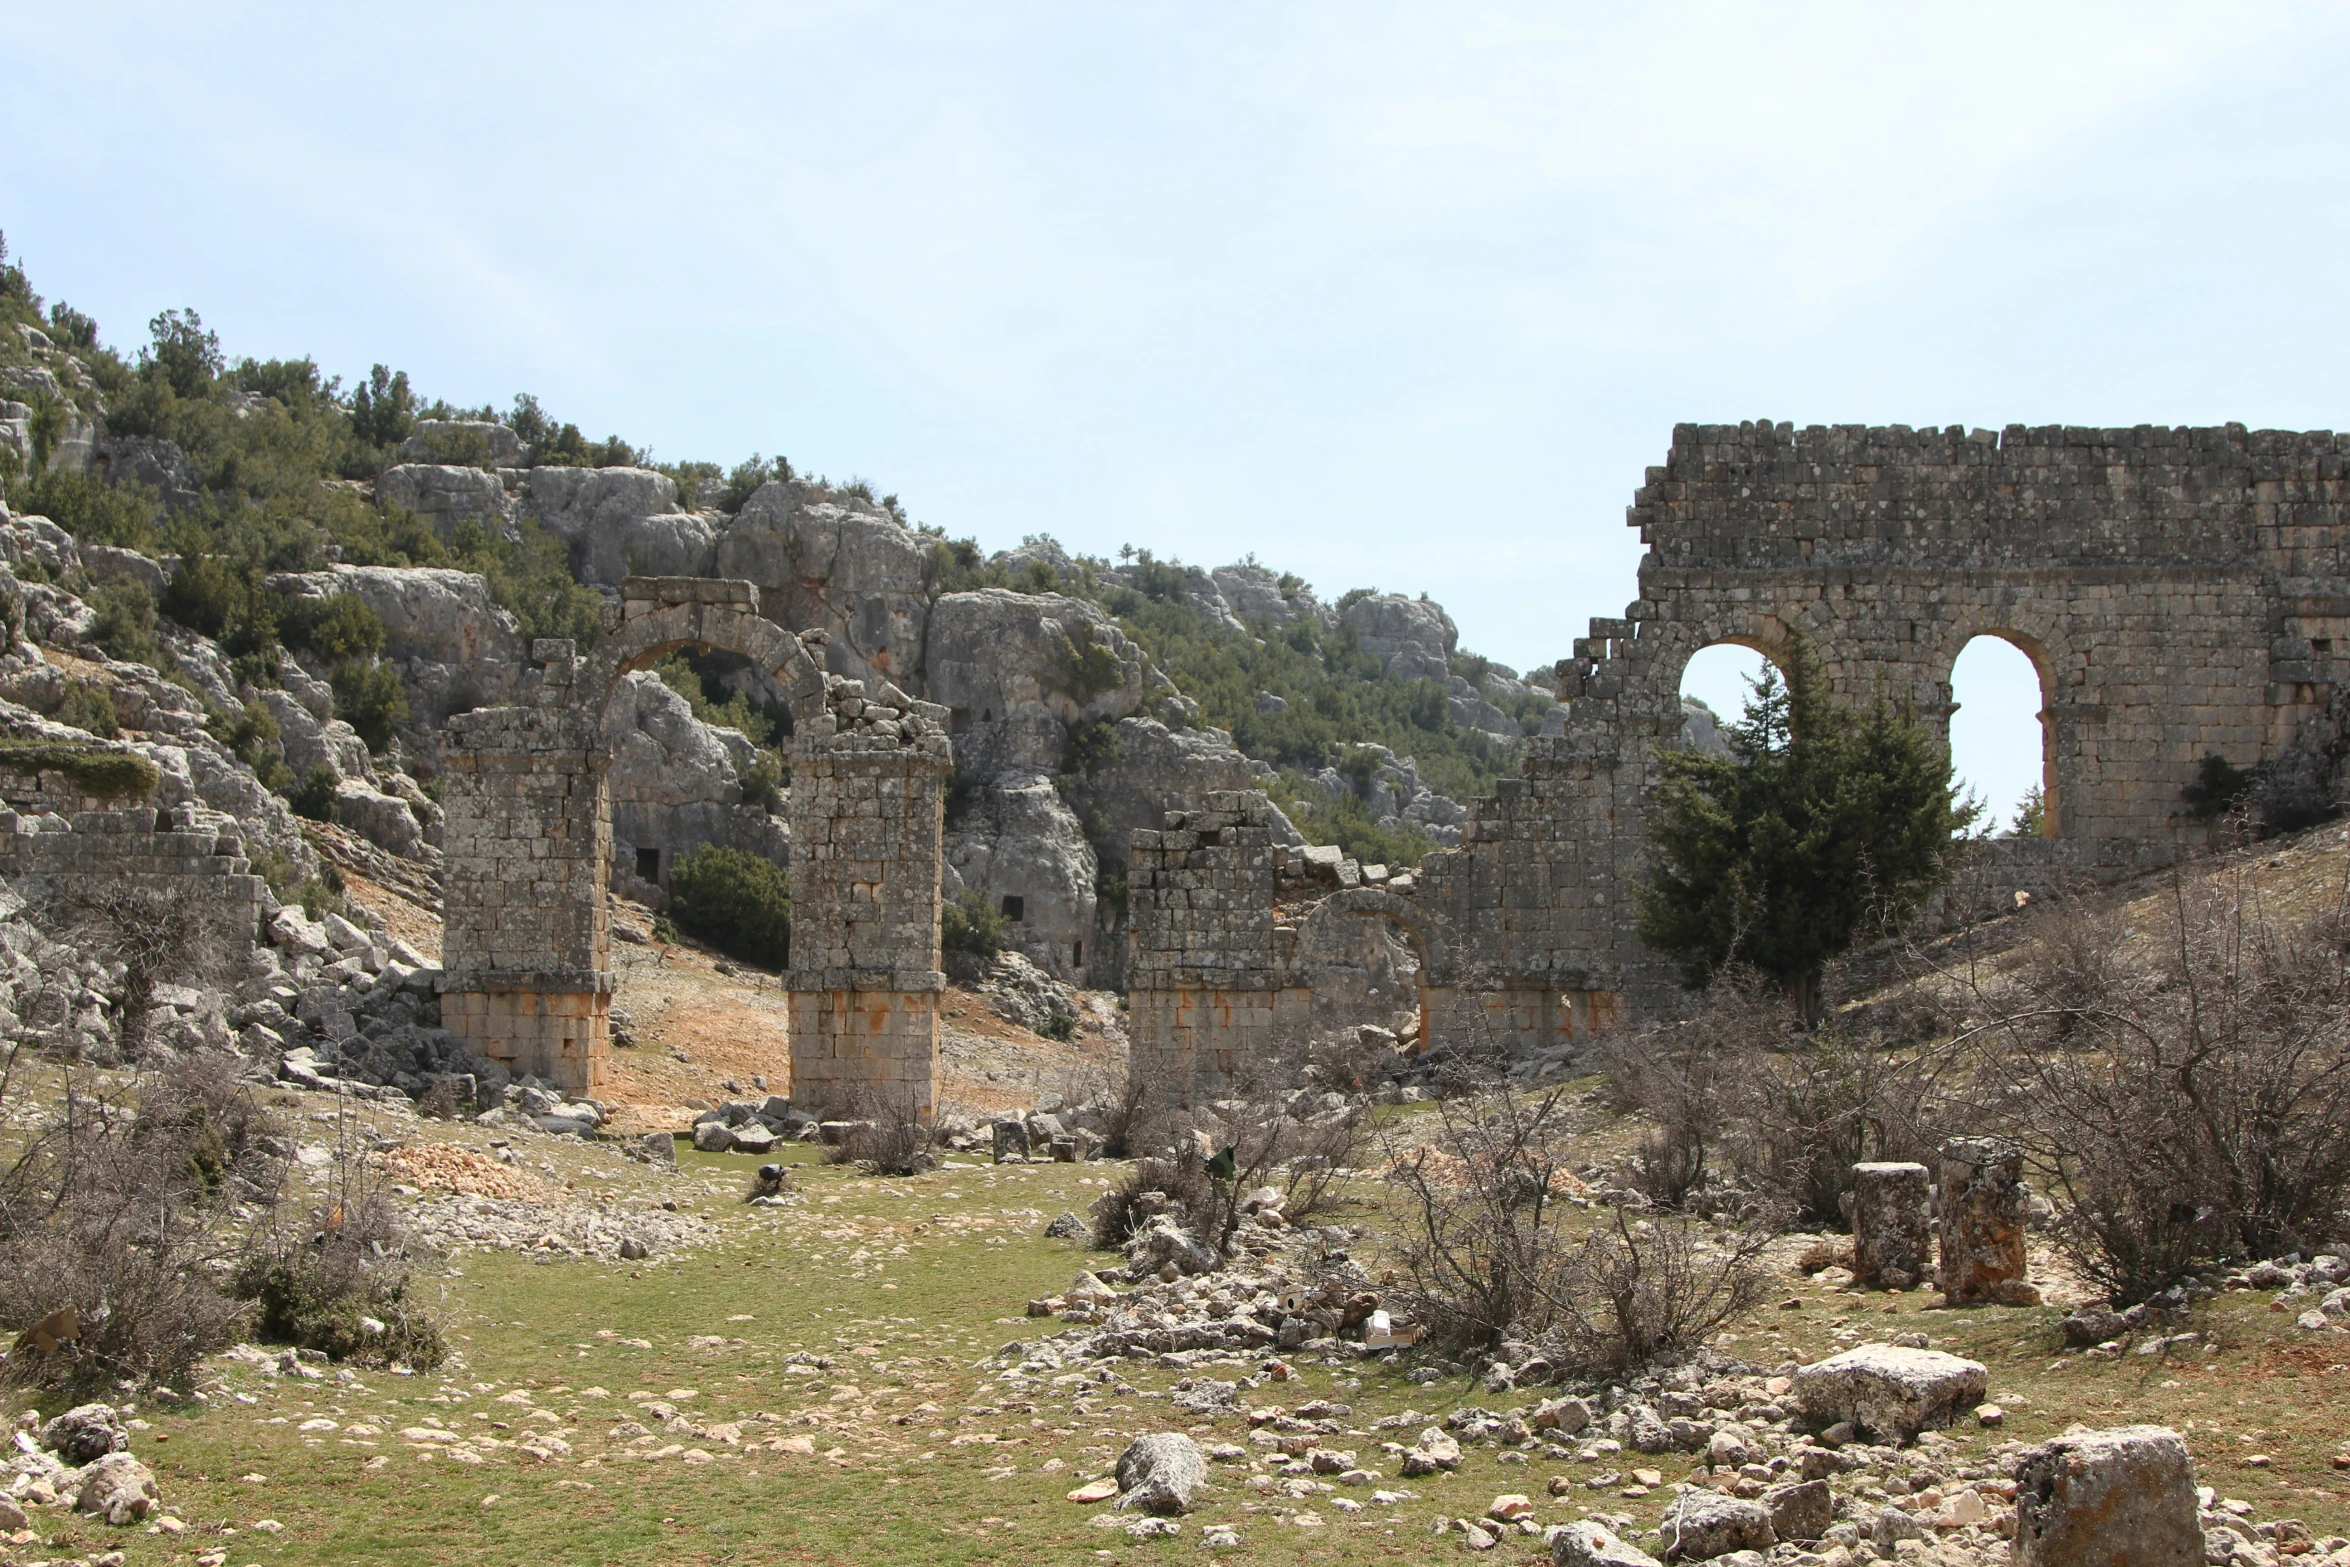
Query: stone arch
[[658, 628], [1429, 930], [1965, 631]]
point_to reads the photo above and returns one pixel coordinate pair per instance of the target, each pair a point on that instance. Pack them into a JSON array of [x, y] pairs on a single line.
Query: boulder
[[384, 820], [1067, 1227], [659, 1148], [995, 655], [712, 1137], [1892, 1227], [830, 559], [442, 495], [1163, 1244], [1434, 1450], [1159, 1473], [450, 440], [85, 1433], [106, 563], [1890, 1392], [117, 1488], [2117, 1498], [1589, 1544], [1413, 638], [1256, 594], [1701, 1525], [1802, 1511], [428, 612], [754, 1138]]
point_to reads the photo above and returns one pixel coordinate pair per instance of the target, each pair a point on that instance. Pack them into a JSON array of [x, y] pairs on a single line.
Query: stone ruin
[[526, 948], [2182, 592]]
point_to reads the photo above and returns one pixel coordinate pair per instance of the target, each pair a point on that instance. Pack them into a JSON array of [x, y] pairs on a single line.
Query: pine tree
[[1821, 822]]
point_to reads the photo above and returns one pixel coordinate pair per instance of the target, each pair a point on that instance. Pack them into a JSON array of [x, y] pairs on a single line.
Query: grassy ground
[[917, 1457]]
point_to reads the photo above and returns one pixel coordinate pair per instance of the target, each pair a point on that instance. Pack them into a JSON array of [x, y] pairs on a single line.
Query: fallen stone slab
[[2118, 1498], [1890, 1392]]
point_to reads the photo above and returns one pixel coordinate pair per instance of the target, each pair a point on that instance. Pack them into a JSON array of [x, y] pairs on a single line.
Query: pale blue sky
[[1394, 296]]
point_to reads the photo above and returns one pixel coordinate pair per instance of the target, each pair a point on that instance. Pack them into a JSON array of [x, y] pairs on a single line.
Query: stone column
[[868, 816], [1892, 1234], [1985, 1207], [526, 938]]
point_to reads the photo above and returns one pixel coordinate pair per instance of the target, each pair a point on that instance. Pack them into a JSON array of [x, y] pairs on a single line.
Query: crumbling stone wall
[[526, 947], [2182, 592], [56, 836]]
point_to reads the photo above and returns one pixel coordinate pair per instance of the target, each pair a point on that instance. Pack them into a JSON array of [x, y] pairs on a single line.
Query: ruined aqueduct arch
[[2182, 592], [526, 945]]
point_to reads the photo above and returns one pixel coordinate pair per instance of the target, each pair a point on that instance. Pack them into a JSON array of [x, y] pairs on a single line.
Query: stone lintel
[[643, 595], [588, 982]]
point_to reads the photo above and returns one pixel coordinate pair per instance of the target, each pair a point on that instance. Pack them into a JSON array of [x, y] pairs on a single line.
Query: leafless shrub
[[334, 1279], [126, 1215], [1176, 1183], [1744, 1097], [156, 929], [1644, 1288], [885, 1135], [2193, 1107], [1493, 1251]]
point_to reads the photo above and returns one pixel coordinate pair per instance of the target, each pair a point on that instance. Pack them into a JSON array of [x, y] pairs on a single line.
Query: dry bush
[[2193, 1109], [1645, 1288], [336, 1282], [1747, 1101], [127, 1215], [1175, 1183], [1492, 1251], [157, 931], [886, 1135]]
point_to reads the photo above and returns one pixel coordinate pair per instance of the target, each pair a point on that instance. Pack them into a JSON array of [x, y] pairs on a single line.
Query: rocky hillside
[[282, 587]]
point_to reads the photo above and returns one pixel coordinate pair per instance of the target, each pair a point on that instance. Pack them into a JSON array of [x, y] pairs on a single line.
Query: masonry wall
[[868, 818], [526, 935], [52, 835], [2182, 592]]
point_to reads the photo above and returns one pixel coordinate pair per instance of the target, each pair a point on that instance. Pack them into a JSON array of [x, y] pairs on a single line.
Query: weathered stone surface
[[428, 612], [1802, 1511], [829, 560], [1890, 1392], [1701, 1525], [451, 440], [1413, 638], [2118, 1498], [117, 1488], [442, 495], [1160, 1473], [85, 1433], [1985, 1209], [1892, 1229], [1588, 1544]]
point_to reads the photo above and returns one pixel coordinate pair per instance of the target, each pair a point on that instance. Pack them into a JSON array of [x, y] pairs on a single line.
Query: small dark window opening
[[2322, 644], [648, 865], [1212, 838], [959, 720], [1014, 907], [1077, 954]]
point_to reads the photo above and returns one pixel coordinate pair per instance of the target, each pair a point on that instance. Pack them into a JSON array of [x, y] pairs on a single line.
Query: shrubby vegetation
[[1820, 822], [736, 901]]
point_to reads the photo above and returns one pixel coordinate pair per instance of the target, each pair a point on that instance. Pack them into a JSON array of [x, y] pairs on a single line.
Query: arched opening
[[1716, 684], [1998, 737]]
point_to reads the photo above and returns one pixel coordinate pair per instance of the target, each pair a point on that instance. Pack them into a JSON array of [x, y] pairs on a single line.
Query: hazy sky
[[1393, 296]]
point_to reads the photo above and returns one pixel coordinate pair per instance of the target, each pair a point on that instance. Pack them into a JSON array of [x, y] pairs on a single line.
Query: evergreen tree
[[1820, 821]]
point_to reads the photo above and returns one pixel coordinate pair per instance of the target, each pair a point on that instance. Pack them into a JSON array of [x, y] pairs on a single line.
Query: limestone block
[[2116, 1498], [1985, 1209], [1892, 1233], [1889, 1392]]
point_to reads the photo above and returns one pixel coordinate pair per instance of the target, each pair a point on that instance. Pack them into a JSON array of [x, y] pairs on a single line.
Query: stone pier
[[1892, 1227], [526, 949], [1986, 1208]]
